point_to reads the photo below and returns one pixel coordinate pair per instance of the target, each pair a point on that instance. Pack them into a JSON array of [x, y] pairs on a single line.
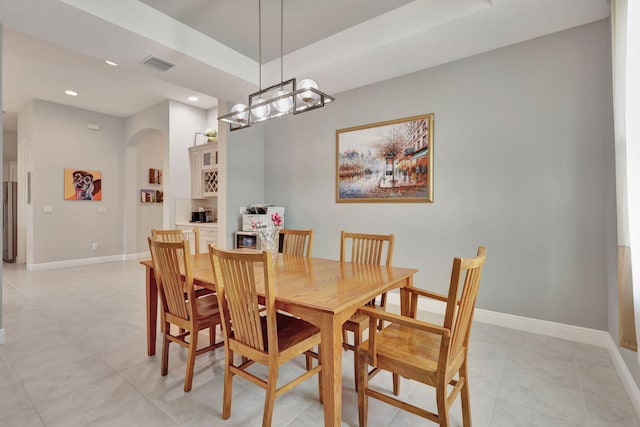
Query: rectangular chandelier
[[287, 97]]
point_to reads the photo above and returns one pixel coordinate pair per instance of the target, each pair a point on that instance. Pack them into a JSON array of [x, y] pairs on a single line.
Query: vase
[[269, 238]]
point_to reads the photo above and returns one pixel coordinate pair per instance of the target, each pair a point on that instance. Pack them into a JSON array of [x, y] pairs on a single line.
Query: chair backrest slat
[[366, 248], [173, 276], [237, 288], [459, 313], [178, 235], [297, 242]]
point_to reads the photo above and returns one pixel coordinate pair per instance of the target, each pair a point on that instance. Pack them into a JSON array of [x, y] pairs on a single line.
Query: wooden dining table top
[[316, 283]]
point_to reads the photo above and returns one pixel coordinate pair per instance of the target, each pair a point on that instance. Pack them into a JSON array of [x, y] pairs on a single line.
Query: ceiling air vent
[[158, 63]]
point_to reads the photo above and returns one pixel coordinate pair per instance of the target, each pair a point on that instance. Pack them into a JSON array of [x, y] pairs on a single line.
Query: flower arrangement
[[268, 232], [211, 134]]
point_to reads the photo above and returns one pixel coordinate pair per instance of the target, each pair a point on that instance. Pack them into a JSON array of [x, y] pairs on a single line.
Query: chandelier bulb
[[242, 115], [262, 112], [283, 105], [308, 97]]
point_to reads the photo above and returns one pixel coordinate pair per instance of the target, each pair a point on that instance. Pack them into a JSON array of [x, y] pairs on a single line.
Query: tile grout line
[[584, 399]]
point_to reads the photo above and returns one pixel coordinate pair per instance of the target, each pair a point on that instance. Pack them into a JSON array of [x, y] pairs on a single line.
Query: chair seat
[[406, 348], [200, 291], [291, 331], [208, 310]]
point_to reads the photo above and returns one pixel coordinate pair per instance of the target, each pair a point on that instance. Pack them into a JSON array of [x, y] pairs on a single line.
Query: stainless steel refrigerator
[[9, 220]]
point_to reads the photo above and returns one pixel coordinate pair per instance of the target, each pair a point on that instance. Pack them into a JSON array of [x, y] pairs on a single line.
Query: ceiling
[[50, 46]]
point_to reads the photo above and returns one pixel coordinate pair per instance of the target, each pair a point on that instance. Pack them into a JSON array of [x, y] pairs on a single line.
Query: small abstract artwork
[[82, 184]]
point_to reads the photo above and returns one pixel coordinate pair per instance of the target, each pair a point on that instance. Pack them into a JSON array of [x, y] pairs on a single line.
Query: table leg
[[407, 306], [152, 311], [331, 359]]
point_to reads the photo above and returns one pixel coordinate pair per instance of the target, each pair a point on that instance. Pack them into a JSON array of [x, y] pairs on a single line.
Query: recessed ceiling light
[[194, 98], [113, 64], [71, 92]]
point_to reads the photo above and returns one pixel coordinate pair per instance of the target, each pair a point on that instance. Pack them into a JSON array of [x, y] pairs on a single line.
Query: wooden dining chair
[[180, 306], [364, 249], [267, 337], [178, 235], [297, 242], [425, 352]]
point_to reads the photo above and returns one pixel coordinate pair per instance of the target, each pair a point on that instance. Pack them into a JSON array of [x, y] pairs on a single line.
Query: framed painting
[[82, 184], [388, 161]]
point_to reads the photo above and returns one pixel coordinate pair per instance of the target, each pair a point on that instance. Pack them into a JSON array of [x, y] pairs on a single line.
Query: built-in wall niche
[[184, 208], [153, 195]]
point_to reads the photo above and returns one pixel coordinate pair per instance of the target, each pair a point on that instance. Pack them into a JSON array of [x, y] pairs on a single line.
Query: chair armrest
[[426, 294], [405, 321]]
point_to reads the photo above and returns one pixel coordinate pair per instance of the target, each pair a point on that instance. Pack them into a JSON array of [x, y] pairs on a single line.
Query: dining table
[[321, 291]]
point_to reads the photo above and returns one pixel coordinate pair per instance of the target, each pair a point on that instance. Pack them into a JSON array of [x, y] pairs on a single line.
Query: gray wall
[[523, 165], [245, 174], [62, 140]]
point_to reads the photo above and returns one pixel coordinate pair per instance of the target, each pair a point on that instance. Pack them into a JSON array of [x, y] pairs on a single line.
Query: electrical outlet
[[94, 246]]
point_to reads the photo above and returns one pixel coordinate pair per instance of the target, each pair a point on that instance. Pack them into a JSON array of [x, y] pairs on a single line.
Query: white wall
[[62, 140], [149, 215], [154, 119], [184, 122], [523, 163], [9, 145]]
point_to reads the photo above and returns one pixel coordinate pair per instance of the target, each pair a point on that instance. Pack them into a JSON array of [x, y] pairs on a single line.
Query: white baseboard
[[2, 337], [553, 329], [137, 256], [74, 263], [87, 261], [526, 324], [625, 375]]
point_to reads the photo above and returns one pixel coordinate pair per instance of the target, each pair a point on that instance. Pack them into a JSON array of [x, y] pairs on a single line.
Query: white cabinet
[[204, 170], [208, 234]]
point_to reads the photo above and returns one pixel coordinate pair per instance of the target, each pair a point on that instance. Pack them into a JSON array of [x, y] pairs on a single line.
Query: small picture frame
[[147, 196], [151, 196], [155, 176]]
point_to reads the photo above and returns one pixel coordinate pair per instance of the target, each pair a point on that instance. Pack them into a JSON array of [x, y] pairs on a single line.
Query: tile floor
[[75, 355]]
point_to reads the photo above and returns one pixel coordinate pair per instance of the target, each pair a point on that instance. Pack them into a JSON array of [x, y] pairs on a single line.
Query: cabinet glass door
[[209, 158]]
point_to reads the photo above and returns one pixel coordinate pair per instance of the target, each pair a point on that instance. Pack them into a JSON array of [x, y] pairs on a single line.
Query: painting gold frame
[[389, 161]]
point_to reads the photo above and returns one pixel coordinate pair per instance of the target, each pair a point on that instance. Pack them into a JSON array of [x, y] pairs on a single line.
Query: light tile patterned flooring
[[75, 355]]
